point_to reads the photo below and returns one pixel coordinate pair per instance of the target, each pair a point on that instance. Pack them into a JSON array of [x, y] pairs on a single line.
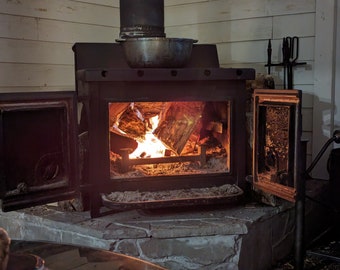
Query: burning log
[[150, 109], [216, 122], [177, 123], [132, 122], [116, 110], [126, 162], [133, 118]]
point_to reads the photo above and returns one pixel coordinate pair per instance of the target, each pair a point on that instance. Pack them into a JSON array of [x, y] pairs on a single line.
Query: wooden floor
[[66, 257]]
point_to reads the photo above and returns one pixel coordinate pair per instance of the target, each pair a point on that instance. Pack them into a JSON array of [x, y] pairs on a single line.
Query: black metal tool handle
[[269, 54], [293, 44], [290, 54], [285, 61]]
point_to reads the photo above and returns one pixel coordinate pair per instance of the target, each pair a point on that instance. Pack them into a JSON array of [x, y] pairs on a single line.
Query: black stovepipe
[[300, 205]]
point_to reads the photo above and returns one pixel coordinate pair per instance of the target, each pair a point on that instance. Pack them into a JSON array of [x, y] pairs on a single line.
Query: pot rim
[[136, 39]]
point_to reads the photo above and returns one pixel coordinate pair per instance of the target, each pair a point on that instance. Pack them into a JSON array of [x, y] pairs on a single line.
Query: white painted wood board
[[63, 10]]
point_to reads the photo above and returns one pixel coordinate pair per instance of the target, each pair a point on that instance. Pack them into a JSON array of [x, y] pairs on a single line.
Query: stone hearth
[[249, 236]]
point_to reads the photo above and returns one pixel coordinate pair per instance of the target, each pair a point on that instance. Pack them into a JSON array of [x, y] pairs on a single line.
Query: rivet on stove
[[207, 72], [104, 73], [140, 73], [174, 73]]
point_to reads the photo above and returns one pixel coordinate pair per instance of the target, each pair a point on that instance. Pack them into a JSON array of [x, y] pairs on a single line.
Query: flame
[[150, 146]]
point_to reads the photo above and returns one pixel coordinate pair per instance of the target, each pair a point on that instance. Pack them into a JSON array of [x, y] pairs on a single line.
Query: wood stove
[[208, 101], [48, 155], [193, 115], [201, 111]]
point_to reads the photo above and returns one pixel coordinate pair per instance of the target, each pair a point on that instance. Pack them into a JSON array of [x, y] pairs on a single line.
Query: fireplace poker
[[286, 63], [293, 49], [269, 54], [292, 54]]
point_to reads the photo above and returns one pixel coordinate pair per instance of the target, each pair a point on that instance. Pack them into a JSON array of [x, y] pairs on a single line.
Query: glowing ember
[[150, 146]]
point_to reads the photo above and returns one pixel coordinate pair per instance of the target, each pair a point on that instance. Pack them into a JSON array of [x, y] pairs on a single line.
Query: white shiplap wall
[[36, 37]]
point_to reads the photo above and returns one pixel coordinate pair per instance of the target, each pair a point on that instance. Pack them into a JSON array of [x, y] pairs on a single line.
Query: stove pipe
[[141, 18]]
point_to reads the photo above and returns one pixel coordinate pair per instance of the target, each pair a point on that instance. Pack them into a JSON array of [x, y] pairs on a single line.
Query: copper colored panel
[[277, 135]]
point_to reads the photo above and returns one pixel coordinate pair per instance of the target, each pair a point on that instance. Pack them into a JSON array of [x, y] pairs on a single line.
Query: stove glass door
[[37, 148], [277, 135]]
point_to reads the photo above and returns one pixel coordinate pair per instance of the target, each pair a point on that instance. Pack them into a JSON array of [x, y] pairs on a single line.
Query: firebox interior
[[167, 138]]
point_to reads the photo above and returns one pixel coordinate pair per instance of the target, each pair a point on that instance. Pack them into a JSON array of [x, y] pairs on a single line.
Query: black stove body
[[67, 164], [107, 80]]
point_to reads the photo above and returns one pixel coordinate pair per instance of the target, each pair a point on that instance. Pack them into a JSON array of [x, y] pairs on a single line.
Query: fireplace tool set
[[290, 54]]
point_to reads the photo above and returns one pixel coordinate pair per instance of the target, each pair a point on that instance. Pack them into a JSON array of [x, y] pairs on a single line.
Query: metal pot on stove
[[143, 39], [157, 52]]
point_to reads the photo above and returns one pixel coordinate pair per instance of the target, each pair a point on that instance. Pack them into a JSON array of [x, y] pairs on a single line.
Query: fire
[[150, 146]]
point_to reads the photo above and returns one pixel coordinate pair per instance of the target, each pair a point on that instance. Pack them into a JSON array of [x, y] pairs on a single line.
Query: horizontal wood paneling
[[36, 75], [18, 27], [63, 10], [32, 64], [227, 31], [224, 10], [279, 8], [24, 51], [37, 38], [214, 11], [256, 51], [182, 2], [56, 31], [287, 25], [244, 52], [110, 3]]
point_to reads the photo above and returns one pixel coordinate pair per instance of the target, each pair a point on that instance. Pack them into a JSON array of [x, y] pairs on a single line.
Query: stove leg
[[95, 205], [300, 227]]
